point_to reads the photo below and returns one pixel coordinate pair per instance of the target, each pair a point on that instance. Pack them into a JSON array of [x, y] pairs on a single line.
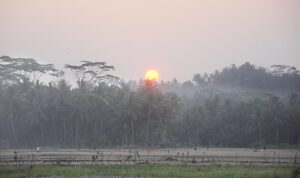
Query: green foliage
[[295, 172], [148, 170]]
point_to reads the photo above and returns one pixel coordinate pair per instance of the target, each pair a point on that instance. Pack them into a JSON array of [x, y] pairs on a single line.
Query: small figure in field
[[94, 157], [38, 149], [15, 156], [263, 149]]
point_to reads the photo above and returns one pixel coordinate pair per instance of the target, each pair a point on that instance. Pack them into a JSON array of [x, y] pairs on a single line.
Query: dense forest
[[238, 106]]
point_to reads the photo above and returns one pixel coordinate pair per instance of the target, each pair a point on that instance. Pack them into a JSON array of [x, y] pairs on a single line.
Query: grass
[[284, 146], [148, 170]]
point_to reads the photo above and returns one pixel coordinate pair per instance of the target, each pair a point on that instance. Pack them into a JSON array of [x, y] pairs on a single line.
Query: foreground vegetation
[[149, 170]]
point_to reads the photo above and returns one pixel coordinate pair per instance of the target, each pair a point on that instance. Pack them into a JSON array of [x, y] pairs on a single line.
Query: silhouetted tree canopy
[[98, 113], [23, 69]]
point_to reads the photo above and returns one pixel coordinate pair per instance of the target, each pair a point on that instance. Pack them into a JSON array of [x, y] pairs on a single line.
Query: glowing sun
[[152, 75]]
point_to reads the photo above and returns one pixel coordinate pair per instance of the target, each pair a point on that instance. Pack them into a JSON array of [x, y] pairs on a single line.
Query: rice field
[[197, 156]]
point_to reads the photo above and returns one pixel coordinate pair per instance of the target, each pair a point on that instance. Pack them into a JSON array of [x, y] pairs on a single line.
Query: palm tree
[[148, 95], [132, 113], [276, 110], [256, 120]]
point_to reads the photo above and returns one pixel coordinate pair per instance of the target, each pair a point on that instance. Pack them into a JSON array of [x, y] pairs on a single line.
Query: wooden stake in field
[[187, 156], [202, 156], [148, 154], [274, 157], [177, 156], [16, 157]]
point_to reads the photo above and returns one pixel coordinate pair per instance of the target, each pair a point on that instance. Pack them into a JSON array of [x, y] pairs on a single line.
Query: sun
[[152, 75]]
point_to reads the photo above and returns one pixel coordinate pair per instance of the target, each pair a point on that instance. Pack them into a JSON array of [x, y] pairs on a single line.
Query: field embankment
[[195, 156]]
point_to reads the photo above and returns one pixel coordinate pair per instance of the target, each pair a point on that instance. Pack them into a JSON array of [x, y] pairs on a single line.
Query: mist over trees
[[238, 106]]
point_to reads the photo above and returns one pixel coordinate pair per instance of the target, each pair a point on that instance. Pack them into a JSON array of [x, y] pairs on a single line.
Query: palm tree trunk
[[13, 128], [277, 134], [64, 133], [260, 134], [77, 132], [132, 132], [147, 127]]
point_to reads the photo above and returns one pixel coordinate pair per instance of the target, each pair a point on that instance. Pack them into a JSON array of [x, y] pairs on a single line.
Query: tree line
[[104, 111]]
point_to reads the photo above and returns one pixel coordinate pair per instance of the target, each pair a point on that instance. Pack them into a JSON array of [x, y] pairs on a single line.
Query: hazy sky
[[177, 37]]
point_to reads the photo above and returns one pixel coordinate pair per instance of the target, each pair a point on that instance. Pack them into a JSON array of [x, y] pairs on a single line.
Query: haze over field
[[177, 37], [139, 88]]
